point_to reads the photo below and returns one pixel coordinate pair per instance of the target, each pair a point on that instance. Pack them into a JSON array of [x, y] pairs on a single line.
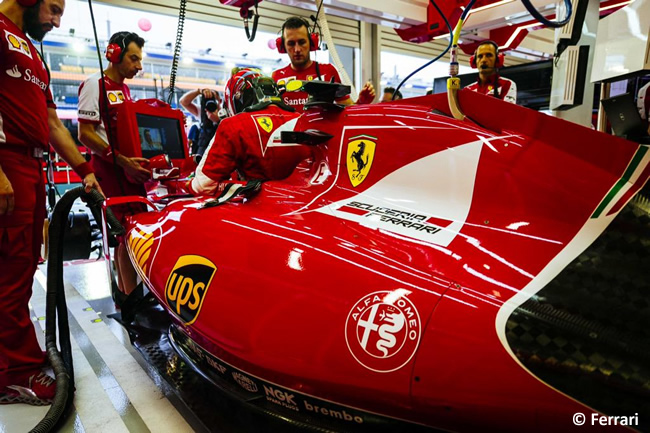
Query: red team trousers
[[20, 242]]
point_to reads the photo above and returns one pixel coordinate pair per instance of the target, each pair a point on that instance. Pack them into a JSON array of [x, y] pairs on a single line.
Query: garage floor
[[115, 391]]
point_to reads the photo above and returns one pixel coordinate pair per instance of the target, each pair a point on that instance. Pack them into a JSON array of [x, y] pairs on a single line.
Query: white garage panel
[[344, 31]]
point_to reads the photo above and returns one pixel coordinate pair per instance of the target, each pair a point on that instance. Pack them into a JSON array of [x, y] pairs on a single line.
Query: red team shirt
[[24, 90], [250, 143], [89, 112], [507, 89], [298, 99]]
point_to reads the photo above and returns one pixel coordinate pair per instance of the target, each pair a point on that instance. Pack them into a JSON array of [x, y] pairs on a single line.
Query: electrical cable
[[438, 57], [256, 17], [177, 50], [548, 23], [327, 36], [107, 118]]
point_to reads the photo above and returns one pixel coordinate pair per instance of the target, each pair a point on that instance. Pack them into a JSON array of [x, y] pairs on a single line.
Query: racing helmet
[[246, 88]]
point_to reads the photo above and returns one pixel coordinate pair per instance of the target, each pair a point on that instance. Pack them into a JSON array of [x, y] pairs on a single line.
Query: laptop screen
[[624, 117]]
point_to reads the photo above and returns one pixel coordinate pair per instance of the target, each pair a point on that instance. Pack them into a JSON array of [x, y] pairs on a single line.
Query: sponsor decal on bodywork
[[244, 381], [383, 330], [398, 203], [361, 153], [269, 395], [410, 220], [140, 244], [187, 286]]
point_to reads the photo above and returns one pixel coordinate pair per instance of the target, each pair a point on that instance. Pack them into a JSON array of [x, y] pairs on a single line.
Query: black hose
[[451, 36], [56, 306], [177, 50], [548, 23]]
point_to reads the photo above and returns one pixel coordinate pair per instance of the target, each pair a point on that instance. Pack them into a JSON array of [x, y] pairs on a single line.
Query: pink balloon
[[144, 24], [271, 44]]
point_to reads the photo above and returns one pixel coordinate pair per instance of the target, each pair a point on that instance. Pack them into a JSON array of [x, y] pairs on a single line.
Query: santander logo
[[14, 72]]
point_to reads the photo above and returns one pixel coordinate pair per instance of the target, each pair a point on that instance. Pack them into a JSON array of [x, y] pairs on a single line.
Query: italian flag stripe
[[631, 168], [357, 137]]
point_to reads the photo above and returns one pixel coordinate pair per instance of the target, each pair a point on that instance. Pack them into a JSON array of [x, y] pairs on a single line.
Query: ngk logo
[[280, 397], [187, 285]]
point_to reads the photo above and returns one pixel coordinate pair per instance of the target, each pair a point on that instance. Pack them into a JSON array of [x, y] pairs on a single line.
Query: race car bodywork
[[381, 282]]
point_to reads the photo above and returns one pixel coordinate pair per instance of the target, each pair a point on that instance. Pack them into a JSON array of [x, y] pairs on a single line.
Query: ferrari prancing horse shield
[[361, 152], [266, 123]]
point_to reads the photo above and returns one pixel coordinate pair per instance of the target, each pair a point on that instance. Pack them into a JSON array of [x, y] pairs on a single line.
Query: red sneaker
[[38, 390]]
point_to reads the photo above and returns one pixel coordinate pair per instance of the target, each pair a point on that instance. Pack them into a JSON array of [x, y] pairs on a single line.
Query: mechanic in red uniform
[[28, 121], [124, 53], [488, 61], [297, 42], [249, 140]]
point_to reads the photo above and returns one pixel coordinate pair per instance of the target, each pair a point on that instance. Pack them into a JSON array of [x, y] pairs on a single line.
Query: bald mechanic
[[246, 141], [297, 42], [28, 121], [488, 61]]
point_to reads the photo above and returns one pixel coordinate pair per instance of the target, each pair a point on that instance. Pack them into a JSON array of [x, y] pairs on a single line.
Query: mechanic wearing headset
[[246, 141], [124, 53], [28, 121], [488, 60], [297, 42]]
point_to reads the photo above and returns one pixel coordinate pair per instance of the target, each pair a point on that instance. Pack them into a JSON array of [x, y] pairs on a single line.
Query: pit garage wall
[[390, 41]]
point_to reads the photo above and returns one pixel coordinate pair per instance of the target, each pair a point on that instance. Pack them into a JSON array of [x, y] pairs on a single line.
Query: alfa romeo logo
[[382, 330]]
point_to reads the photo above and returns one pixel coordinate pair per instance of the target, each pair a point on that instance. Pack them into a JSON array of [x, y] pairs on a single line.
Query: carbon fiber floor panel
[[587, 333]]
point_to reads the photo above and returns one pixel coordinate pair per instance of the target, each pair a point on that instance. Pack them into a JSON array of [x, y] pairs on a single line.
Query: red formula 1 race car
[[420, 272]]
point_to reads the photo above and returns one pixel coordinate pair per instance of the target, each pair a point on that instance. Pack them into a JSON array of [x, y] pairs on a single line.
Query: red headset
[[115, 50], [27, 3], [314, 38], [498, 62]]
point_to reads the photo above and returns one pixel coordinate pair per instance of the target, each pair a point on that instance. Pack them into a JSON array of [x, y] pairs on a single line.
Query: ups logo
[[187, 285]]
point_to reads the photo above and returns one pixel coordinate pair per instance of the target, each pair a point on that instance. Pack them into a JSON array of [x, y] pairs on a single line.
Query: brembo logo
[[187, 286]]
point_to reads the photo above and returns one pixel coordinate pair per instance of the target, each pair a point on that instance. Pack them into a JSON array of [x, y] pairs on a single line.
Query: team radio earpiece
[[115, 51], [314, 39], [498, 63]]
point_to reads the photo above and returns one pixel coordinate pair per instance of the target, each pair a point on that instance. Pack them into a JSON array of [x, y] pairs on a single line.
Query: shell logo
[[140, 244], [112, 97], [14, 41]]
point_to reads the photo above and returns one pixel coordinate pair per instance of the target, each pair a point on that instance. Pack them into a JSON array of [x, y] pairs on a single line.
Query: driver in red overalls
[[249, 140]]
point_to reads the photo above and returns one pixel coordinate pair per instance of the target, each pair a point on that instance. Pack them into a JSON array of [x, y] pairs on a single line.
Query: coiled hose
[[56, 305], [177, 50]]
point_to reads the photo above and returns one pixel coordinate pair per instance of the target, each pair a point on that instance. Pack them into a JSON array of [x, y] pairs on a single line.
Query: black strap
[[318, 70]]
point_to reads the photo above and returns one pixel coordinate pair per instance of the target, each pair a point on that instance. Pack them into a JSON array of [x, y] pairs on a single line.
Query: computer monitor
[[624, 117], [160, 135], [150, 127]]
